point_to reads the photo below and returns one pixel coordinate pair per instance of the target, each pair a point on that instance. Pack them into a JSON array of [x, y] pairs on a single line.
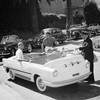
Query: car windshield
[[56, 31], [52, 31], [44, 32], [8, 39]]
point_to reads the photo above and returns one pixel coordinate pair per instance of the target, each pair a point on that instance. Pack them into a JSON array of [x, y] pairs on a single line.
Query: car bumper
[[67, 82], [4, 55]]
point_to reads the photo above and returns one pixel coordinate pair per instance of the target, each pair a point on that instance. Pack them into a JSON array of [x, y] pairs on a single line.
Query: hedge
[[52, 20]]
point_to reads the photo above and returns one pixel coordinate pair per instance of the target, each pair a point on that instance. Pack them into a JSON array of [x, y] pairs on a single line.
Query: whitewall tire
[[40, 84]]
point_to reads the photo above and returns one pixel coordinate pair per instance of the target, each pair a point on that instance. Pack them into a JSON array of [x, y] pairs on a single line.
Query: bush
[[91, 12], [53, 20]]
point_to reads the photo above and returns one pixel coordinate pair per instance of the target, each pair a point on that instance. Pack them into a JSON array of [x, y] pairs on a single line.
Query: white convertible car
[[49, 70]]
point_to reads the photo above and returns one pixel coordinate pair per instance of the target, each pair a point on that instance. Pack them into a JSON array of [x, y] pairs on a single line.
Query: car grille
[[3, 52]]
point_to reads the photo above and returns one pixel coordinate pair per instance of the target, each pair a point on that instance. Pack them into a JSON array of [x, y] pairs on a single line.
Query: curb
[[16, 95]]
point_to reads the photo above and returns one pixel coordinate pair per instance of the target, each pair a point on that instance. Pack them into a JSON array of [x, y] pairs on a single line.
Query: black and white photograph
[[49, 49]]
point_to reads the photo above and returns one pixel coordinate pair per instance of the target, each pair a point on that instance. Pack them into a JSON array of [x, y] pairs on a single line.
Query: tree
[[91, 12], [77, 18], [68, 14], [35, 13]]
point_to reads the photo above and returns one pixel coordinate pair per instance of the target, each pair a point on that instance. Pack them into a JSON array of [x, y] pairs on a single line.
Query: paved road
[[80, 91]]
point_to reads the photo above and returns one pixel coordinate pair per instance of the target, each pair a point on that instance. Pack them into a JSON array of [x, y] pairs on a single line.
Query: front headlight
[[87, 64], [73, 33], [55, 73]]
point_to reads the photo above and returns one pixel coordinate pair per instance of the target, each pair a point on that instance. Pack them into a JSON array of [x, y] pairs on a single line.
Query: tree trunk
[[34, 18], [69, 18]]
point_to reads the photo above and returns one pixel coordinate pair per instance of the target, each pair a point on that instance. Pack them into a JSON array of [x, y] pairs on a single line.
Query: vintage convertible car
[[49, 70]]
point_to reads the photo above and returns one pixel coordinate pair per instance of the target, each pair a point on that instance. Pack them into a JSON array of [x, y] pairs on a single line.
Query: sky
[[98, 3]]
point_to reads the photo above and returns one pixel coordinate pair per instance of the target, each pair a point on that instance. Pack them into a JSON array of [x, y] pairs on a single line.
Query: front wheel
[[40, 84]]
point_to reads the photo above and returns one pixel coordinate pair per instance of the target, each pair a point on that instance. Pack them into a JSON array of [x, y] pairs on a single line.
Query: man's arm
[[23, 60], [86, 46], [56, 42], [19, 59]]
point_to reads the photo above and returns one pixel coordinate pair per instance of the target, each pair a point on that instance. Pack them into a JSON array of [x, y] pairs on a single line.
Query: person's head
[[21, 45], [48, 35], [84, 35]]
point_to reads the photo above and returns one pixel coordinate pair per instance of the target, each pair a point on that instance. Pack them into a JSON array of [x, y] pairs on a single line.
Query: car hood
[[75, 28], [5, 45]]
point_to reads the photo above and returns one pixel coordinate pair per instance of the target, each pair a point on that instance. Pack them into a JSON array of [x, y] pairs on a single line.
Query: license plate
[[75, 74]]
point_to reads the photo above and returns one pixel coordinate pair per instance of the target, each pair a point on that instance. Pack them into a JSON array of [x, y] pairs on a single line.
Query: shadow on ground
[[78, 91]]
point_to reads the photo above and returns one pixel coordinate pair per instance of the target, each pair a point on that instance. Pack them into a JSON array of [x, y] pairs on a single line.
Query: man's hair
[[20, 43]]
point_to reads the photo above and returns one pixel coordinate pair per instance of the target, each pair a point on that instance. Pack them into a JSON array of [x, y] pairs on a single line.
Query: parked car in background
[[76, 29], [94, 28], [8, 45], [55, 32]]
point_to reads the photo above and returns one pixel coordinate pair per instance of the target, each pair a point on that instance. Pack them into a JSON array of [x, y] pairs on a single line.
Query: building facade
[[59, 6]]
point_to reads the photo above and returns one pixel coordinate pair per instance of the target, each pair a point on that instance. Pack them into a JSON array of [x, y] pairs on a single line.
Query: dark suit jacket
[[87, 49]]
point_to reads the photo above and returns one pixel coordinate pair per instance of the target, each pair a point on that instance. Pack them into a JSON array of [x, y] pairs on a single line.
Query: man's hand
[[44, 53]]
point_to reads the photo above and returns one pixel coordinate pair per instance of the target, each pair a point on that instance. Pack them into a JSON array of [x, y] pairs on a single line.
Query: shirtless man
[[48, 42]]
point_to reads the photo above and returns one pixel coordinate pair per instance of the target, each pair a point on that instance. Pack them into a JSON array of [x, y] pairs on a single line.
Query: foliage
[[78, 18], [53, 20], [91, 12]]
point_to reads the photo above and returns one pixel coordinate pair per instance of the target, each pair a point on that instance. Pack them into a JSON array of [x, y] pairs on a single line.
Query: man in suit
[[87, 52]]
